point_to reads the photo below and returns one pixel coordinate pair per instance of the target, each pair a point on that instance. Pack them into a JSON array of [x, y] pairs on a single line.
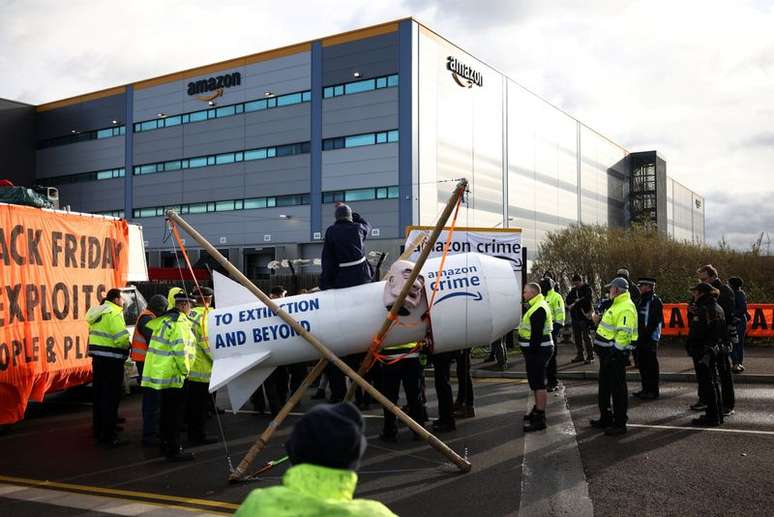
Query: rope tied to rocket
[[378, 341]]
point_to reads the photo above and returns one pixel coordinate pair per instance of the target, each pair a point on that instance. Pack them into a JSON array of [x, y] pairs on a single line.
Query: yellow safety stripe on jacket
[[618, 326], [108, 336], [170, 352], [402, 349], [525, 327], [201, 368], [556, 303]]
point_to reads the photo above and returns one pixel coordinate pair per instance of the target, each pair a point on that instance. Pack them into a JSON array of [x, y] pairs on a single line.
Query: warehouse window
[[224, 158], [228, 205], [111, 213], [342, 142], [224, 111], [78, 136], [362, 194], [366, 85], [106, 174]]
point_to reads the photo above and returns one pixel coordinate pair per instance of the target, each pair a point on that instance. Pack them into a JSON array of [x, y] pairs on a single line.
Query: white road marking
[[713, 429]]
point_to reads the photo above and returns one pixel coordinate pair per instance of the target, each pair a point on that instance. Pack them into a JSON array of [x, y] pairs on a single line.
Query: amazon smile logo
[[202, 88], [462, 74]]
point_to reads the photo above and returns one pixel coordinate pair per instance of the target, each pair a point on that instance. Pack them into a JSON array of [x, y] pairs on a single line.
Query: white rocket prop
[[477, 302]]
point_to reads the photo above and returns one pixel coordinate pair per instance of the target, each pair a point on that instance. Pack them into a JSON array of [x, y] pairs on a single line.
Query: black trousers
[[337, 382], [699, 387], [172, 417], [551, 368], [709, 390], [197, 405], [297, 373], [612, 385], [648, 364], [408, 372], [107, 381], [464, 379], [726, 381], [443, 389], [580, 333]]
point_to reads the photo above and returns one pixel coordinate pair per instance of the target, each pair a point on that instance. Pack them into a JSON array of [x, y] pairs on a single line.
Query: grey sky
[[693, 79]]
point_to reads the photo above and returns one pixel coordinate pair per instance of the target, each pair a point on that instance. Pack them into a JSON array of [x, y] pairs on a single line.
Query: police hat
[[646, 280], [203, 292], [183, 297]]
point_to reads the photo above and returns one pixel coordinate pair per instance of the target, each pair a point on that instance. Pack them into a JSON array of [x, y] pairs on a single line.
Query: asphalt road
[[661, 467]]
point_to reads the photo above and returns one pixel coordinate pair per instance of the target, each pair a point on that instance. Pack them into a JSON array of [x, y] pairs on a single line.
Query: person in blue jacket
[[344, 261]]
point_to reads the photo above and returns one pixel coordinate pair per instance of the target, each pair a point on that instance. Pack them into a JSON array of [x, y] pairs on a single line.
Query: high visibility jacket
[[171, 297], [311, 490], [556, 303], [201, 369], [618, 326], [525, 327], [170, 352], [108, 336], [405, 348], [139, 344]]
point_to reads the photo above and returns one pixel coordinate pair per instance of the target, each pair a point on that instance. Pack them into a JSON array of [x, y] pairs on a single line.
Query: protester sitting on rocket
[[325, 449]]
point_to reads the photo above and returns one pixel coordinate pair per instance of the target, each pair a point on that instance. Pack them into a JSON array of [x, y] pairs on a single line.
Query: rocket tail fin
[[241, 388], [229, 293], [229, 369]]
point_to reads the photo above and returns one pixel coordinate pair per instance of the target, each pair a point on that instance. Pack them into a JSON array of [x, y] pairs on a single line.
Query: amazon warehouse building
[[255, 151]]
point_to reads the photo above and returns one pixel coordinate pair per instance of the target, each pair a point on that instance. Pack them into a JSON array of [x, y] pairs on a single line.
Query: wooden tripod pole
[[459, 190], [324, 351]]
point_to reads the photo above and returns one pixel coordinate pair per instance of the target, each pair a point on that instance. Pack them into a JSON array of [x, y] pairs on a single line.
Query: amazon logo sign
[[212, 88], [462, 74]]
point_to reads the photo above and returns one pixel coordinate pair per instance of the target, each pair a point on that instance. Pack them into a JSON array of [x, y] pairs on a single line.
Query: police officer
[[108, 348], [537, 346], [616, 331], [401, 366], [343, 265], [705, 335], [650, 313], [579, 302], [150, 397], [556, 303], [171, 352], [198, 382], [726, 300]]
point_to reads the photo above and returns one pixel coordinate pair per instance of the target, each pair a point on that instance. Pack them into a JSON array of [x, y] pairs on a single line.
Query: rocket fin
[[229, 293], [240, 389], [227, 369]]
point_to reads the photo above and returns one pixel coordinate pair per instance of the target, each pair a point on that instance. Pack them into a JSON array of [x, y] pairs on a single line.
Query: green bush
[[596, 252]]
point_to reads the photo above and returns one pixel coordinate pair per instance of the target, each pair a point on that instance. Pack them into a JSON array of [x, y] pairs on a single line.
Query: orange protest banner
[[53, 267], [760, 321]]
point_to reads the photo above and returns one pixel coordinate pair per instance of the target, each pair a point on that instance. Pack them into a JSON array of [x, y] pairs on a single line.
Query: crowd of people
[[173, 360]]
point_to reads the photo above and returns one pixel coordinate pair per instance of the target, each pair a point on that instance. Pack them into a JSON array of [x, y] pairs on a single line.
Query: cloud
[[739, 218], [764, 139]]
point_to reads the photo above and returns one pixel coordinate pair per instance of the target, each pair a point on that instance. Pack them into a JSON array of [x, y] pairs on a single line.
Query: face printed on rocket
[[396, 278]]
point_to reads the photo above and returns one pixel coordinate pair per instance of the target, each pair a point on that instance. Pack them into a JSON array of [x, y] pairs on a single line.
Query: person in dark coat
[[709, 274], [650, 314], [705, 335], [344, 261], [579, 303], [344, 264], [740, 317]]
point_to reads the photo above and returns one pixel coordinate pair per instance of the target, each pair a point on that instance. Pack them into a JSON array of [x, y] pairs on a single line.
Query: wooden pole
[[259, 445], [368, 361], [324, 351]]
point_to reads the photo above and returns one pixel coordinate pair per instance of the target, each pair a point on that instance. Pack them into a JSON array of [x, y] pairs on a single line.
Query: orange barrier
[[759, 324], [53, 267]]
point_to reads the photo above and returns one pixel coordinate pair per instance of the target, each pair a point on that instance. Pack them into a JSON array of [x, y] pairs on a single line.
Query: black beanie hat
[[330, 435]]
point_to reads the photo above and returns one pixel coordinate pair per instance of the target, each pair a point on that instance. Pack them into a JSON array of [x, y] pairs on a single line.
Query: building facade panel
[[370, 57], [93, 155], [367, 166], [360, 113], [17, 132], [93, 196], [82, 116], [381, 214]]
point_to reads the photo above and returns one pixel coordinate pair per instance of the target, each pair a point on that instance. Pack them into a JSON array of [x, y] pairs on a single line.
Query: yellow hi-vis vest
[[525, 328], [405, 348], [618, 326], [108, 336], [201, 368], [556, 303], [170, 352]]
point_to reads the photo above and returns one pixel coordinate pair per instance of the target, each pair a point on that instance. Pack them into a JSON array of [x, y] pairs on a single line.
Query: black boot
[[537, 422], [529, 415]]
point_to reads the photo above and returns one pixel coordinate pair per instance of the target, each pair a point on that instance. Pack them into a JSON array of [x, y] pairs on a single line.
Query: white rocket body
[[478, 301]]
